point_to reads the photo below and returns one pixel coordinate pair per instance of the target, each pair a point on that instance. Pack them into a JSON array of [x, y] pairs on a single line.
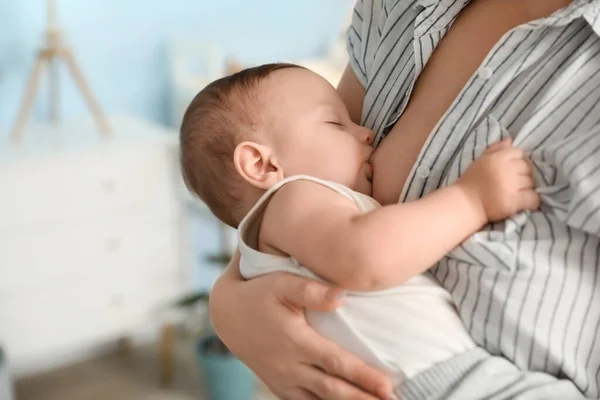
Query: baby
[[272, 151]]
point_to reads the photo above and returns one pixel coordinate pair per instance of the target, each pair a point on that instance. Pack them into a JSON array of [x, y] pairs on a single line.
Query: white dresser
[[92, 238]]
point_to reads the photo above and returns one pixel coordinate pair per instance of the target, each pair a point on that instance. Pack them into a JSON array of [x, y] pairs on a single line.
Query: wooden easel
[[50, 55]]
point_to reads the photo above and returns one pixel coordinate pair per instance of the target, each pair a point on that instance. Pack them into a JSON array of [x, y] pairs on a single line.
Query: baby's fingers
[[503, 144], [524, 167], [529, 199], [525, 182]]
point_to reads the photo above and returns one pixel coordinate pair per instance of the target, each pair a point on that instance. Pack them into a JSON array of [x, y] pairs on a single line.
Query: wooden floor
[[117, 377]]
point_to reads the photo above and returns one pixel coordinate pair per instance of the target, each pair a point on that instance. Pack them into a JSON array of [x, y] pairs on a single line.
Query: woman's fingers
[[328, 387], [279, 345], [340, 363], [306, 293], [301, 394]]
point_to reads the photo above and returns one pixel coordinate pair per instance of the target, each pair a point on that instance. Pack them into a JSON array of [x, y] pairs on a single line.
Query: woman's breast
[[454, 61]]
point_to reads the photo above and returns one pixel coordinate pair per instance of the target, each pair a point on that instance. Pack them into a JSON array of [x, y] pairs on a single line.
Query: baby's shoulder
[[305, 196]]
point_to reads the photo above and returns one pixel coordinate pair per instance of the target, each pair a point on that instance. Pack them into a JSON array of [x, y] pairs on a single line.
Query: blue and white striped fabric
[[529, 288]]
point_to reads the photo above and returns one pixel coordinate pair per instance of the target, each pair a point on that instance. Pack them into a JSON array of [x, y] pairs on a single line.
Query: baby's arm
[[327, 232]]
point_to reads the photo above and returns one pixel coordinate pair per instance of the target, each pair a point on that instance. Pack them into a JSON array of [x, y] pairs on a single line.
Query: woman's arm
[[262, 322]]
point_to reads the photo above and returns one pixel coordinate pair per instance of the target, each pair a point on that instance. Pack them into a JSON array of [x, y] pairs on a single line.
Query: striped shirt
[[529, 288]]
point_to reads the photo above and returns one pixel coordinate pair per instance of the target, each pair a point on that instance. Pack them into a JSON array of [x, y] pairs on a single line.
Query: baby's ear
[[257, 165]]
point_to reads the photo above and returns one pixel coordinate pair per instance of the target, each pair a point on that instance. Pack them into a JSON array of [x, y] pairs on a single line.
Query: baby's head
[[245, 132]]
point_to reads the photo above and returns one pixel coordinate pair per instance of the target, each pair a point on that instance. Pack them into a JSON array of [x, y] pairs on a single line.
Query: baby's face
[[313, 133]]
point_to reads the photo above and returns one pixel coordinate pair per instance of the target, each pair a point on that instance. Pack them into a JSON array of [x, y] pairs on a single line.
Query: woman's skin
[[460, 53], [284, 351]]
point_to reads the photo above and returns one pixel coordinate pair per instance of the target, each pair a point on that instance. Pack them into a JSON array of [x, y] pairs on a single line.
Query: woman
[[504, 67]]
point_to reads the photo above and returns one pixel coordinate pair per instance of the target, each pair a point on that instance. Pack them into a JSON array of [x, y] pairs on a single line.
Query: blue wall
[[121, 45]]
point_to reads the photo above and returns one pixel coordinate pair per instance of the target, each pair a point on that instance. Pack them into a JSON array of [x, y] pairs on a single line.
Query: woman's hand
[[262, 321]]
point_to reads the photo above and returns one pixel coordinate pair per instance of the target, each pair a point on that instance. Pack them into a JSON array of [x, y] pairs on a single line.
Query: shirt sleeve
[[593, 16], [363, 35]]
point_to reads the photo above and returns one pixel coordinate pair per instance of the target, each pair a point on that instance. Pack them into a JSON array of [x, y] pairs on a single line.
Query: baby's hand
[[500, 182]]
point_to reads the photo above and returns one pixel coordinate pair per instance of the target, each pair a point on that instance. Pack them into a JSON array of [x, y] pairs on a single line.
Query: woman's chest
[[445, 63]]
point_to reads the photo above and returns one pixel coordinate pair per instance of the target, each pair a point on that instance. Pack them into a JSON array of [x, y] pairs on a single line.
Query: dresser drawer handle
[[117, 300], [109, 186], [113, 245]]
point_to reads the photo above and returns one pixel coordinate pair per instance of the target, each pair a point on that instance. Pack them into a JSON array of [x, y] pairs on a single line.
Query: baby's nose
[[366, 136]]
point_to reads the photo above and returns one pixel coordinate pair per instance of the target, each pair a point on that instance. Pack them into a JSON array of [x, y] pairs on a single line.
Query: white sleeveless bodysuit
[[403, 330]]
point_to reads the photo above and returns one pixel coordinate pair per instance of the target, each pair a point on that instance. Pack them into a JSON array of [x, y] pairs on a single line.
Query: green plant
[[190, 303]]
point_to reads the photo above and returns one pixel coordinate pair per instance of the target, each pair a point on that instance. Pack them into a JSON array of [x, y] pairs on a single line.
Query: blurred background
[[106, 262]]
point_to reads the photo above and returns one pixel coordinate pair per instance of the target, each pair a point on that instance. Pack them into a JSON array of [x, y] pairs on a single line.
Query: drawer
[[74, 316], [49, 191], [130, 249], [86, 282]]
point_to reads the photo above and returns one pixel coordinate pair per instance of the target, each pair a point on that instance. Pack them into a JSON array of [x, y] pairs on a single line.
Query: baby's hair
[[222, 115]]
